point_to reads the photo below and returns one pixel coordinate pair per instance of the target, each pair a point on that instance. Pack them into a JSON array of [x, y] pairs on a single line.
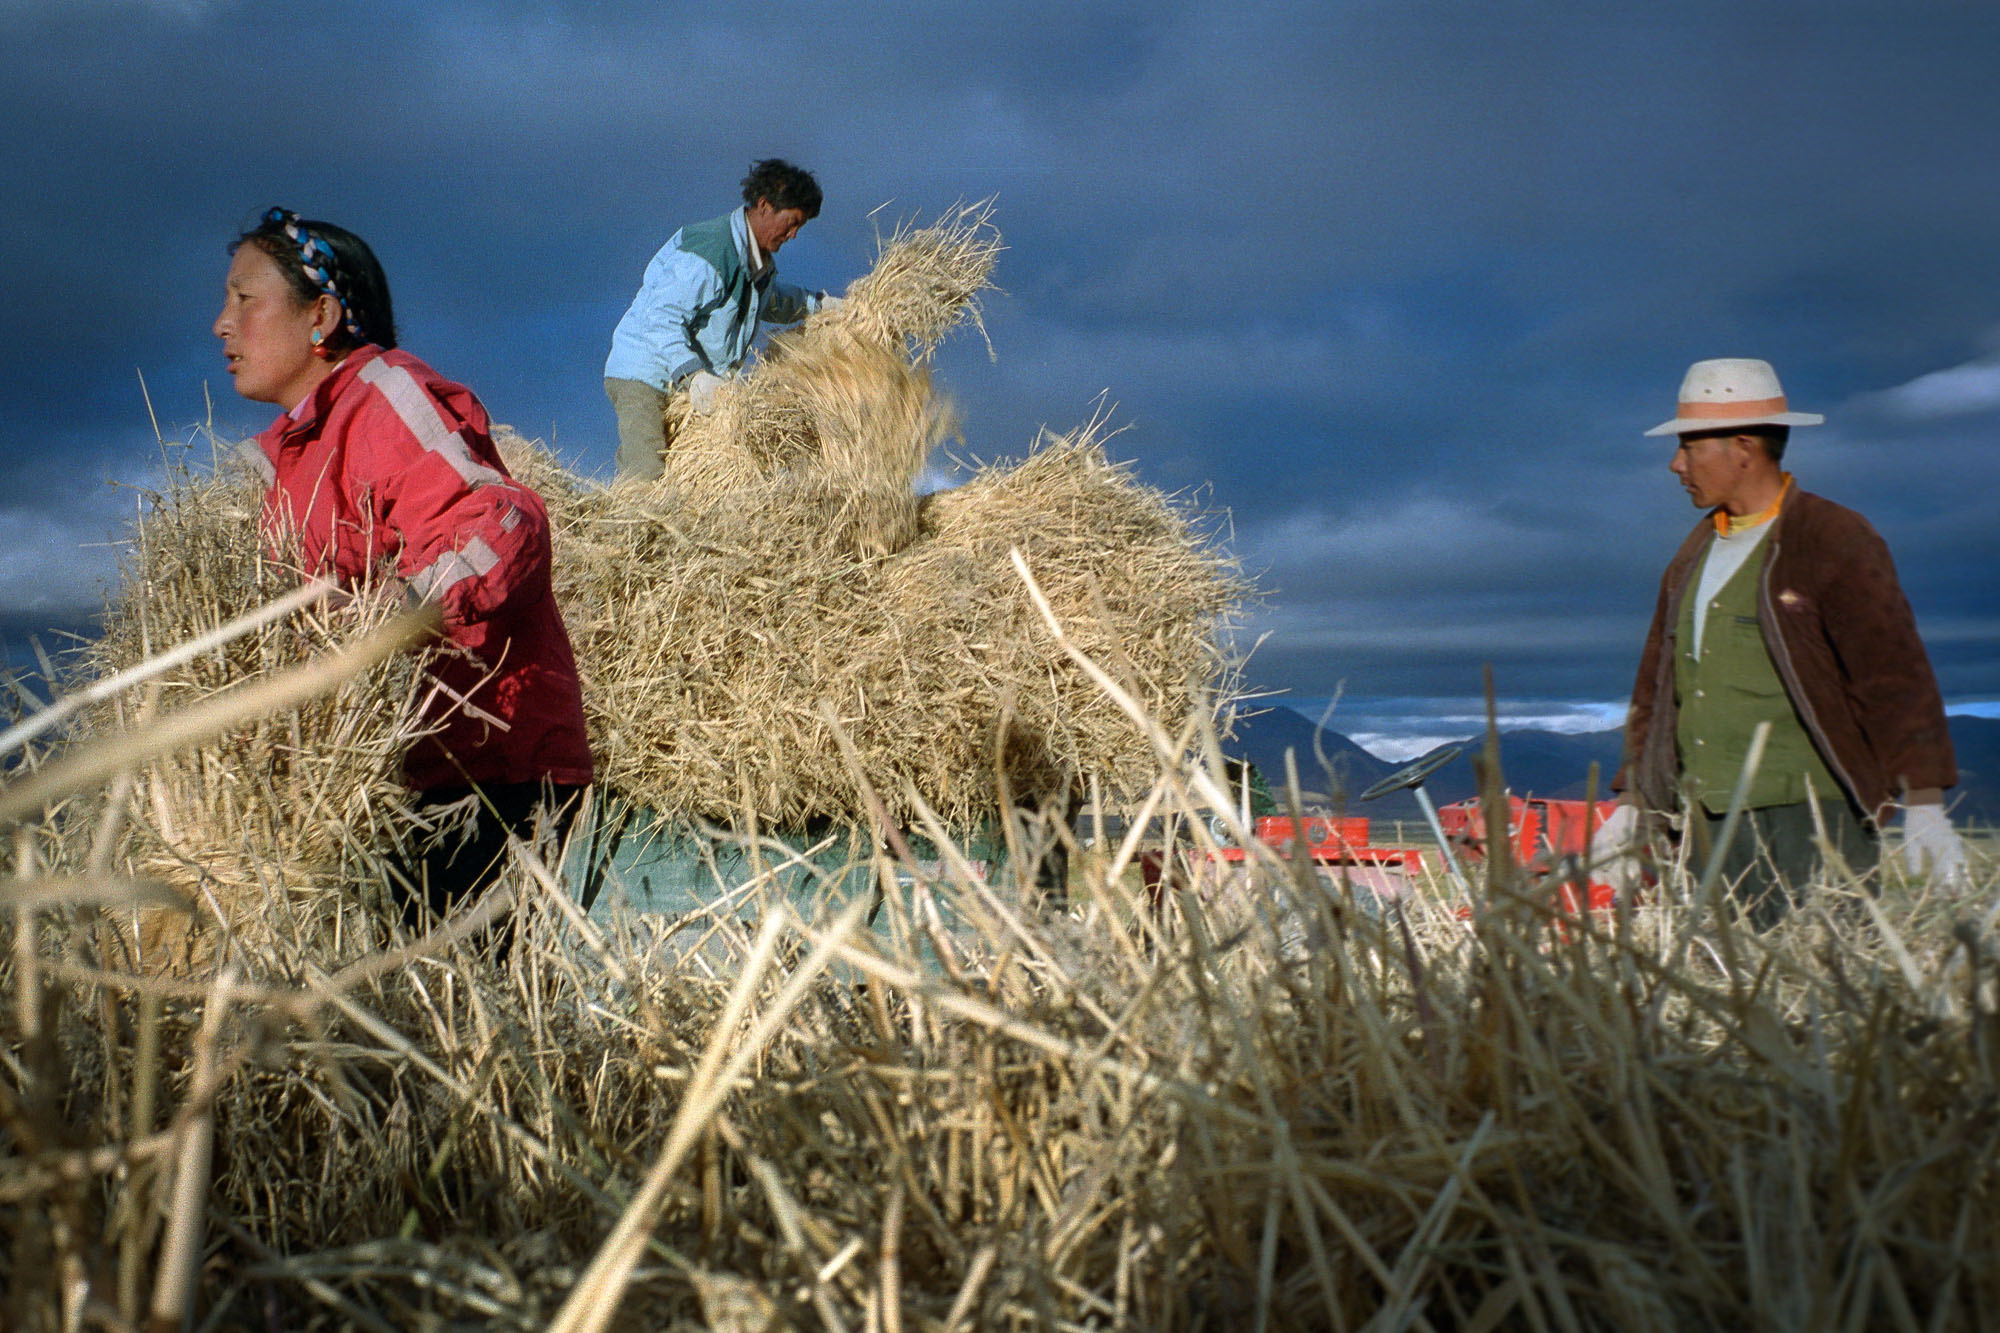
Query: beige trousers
[[643, 436]]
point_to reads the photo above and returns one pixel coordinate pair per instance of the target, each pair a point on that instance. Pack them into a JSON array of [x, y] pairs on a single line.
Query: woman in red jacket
[[380, 464]]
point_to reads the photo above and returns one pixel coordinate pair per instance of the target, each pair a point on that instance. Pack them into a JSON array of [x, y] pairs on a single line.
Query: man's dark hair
[[1774, 438], [354, 275], [785, 185]]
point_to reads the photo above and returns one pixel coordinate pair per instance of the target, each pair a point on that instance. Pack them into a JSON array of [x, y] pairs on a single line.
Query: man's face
[[1712, 467], [773, 226]]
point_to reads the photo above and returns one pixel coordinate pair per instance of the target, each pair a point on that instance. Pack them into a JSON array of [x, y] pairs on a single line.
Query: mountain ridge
[[1533, 762]]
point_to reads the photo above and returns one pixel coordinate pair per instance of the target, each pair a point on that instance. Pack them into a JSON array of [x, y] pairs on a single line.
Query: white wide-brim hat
[[1732, 391]]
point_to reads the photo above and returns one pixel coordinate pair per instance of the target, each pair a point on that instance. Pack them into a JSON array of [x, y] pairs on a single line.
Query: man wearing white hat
[[1780, 608]]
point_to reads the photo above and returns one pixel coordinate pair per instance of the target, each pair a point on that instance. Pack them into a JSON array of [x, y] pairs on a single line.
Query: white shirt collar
[[756, 258]]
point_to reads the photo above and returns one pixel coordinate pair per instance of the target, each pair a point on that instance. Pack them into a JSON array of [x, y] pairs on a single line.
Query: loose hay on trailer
[[723, 616], [845, 397], [784, 572], [718, 636]]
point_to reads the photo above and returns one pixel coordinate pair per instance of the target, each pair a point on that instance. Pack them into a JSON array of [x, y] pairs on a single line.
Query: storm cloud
[[1395, 287]]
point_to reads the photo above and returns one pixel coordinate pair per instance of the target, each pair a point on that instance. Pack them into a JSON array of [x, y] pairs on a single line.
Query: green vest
[[1721, 696]]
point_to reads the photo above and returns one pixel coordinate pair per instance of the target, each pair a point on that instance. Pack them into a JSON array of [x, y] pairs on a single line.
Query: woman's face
[[266, 331]]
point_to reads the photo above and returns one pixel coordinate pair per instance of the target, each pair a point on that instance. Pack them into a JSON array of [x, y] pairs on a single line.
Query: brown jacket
[[1844, 642]]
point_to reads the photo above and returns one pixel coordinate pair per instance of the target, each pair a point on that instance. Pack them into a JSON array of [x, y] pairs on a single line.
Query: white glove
[[1614, 849], [702, 387], [1929, 837], [828, 303]]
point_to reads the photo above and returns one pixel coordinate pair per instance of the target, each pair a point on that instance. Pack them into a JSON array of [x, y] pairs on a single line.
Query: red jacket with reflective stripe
[[391, 465]]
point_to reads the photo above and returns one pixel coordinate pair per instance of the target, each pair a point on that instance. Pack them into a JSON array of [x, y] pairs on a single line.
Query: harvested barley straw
[[716, 636], [285, 804], [785, 571], [1115, 1116], [721, 619], [847, 393]]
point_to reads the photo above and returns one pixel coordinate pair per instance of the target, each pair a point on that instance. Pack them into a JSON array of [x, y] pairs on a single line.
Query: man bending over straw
[[697, 311]]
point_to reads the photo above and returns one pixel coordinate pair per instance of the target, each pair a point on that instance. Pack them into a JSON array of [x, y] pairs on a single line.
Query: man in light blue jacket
[[696, 314]]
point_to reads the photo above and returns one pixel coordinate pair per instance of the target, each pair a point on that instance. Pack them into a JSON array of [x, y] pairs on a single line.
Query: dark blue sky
[[1397, 285]]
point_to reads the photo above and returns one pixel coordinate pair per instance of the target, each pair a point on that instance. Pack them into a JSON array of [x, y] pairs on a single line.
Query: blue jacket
[[699, 306]]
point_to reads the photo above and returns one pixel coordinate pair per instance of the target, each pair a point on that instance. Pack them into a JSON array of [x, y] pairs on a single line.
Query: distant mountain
[[1540, 763], [1343, 773]]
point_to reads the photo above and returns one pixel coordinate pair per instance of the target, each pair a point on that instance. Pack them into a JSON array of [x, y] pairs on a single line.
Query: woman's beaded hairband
[[316, 257]]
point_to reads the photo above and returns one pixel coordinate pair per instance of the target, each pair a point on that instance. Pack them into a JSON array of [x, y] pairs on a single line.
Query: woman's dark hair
[[785, 185], [320, 259]]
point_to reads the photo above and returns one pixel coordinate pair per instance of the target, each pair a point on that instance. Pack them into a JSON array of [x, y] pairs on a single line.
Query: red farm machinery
[[1541, 834]]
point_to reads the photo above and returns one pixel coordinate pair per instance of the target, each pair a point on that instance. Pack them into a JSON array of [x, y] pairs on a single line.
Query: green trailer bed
[[628, 858]]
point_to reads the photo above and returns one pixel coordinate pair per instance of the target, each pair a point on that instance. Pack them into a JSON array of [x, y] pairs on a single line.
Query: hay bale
[[846, 393], [719, 617], [282, 805], [827, 411], [714, 636], [784, 570], [926, 282]]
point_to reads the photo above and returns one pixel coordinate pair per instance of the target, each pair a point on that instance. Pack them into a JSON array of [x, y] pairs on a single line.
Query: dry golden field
[[892, 1094], [991, 1109]]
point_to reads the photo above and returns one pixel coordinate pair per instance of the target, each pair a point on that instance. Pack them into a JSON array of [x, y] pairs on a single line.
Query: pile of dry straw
[[1118, 1117], [288, 804], [1130, 1114], [784, 581]]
